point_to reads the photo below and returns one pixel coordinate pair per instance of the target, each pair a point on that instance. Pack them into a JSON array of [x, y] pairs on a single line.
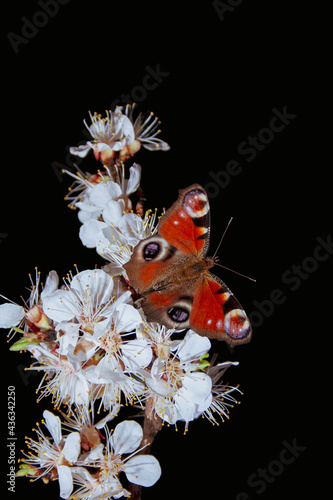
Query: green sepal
[[22, 343], [25, 470], [204, 364]]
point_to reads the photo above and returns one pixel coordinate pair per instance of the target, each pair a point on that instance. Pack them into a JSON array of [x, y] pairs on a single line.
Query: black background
[[223, 79]]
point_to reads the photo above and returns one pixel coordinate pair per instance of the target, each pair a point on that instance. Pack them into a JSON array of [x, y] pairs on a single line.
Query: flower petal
[[92, 455], [10, 315], [68, 335], [193, 346], [72, 447], [80, 151], [136, 353], [166, 409], [53, 424], [109, 488], [89, 232], [85, 215], [110, 416], [93, 282], [127, 437], [104, 192], [193, 394], [107, 371], [101, 146], [65, 481], [155, 145], [197, 386], [61, 305], [144, 470], [113, 211], [131, 226], [134, 178], [126, 318], [51, 284]]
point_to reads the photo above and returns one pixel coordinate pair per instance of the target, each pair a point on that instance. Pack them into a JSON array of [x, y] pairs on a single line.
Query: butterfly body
[[171, 273]]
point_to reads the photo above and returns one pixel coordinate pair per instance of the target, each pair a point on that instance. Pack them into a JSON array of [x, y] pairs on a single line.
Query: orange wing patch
[[186, 224], [179, 230], [218, 314]]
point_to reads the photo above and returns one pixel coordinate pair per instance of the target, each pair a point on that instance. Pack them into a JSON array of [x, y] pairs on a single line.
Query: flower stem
[[152, 425]]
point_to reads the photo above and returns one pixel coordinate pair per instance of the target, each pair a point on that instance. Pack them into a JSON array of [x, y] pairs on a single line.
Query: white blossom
[[47, 456], [175, 381], [96, 198], [97, 350], [64, 378], [146, 130], [119, 136], [87, 301], [111, 133], [116, 238], [60, 457], [13, 315], [222, 396], [125, 440]]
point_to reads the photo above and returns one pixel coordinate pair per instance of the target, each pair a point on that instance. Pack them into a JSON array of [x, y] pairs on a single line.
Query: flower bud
[[106, 156], [99, 177], [38, 318], [129, 150]]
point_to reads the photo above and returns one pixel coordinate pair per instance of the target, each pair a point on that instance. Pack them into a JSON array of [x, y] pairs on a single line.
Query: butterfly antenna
[[233, 271], [224, 267], [226, 229]]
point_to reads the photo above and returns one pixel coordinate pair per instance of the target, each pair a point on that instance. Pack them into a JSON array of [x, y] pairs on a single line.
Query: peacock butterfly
[[170, 272]]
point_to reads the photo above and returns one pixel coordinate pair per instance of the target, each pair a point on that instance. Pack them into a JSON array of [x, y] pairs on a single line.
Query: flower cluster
[[108, 222], [117, 136], [93, 345], [80, 458]]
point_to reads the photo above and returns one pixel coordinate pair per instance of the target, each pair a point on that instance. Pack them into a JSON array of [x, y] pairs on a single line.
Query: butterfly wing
[[186, 224], [182, 233], [158, 272], [153, 265], [170, 307], [216, 313], [157, 268]]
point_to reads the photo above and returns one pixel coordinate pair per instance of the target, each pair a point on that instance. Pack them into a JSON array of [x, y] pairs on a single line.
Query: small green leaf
[[25, 470], [22, 343]]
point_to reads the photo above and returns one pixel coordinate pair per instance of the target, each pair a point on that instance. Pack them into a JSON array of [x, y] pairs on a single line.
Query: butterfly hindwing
[[216, 312], [171, 307]]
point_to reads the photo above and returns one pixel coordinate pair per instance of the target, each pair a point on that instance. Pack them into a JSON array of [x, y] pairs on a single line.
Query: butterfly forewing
[[186, 224]]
